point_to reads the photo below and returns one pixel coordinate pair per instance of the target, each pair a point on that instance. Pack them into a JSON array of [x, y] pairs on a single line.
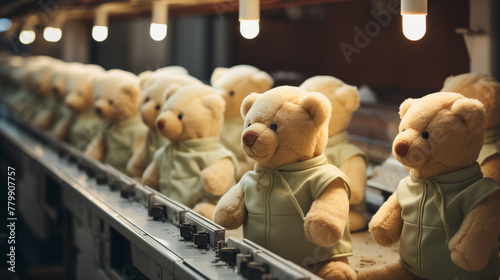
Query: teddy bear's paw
[[337, 270], [357, 221], [205, 209], [229, 218], [213, 184], [322, 232], [383, 236], [471, 261]]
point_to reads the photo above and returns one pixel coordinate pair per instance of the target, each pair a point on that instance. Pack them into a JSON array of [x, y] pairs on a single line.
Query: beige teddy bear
[[293, 203], [487, 90], [116, 101], [193, 167], [235, 84], [154, 86], [85, 123], [41, 85], [24, 101], [444, 214], [349, 158], [62, 114]]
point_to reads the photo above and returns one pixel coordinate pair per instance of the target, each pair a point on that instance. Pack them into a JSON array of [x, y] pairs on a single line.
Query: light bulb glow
[[5, 24], [158, 31], [249, 29], [99, 33], [27, 36], [52, 34], [414, 26]]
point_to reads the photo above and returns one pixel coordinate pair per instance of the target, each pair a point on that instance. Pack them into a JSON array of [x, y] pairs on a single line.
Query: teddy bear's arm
[[137, 163], [151, 176], [44, 119], [355, 169], [386, 224], [230, 212], [61, 129], [491, 167], [217, 178], [326, 220], [97, 148], [472, 244]]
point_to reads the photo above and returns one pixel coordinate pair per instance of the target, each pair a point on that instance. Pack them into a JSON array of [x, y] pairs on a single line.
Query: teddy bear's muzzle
[[98, 111], [401, 148], [249, 138], [160, 124]]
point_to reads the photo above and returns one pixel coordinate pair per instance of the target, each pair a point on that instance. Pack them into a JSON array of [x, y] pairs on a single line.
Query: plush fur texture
[[234, 84], [85, 123], [194, 112], [116, 100], [439, 134], [345, 100], [155, 87], [41, 85], [487, 90], [289, 125]]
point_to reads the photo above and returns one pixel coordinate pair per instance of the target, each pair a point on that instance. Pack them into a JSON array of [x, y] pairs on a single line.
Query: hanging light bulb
[[52, 34], [100, 28], [249, 16], [159, 18], [414, 14], [27, 36]]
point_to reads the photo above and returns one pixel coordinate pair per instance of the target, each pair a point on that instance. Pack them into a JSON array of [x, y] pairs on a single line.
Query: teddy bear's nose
[[401, 148], [249, 138], [161, 123], [98, 110]]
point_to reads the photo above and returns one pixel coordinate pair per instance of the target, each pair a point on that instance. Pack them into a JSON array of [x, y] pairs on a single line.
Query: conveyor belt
[[123, 228]]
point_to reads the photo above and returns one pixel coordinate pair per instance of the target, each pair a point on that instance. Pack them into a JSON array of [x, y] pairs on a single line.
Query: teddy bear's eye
[[273, 127], [111, 102], [249, 124], [179, 116], [425, 135], [231, 93], [146, 100], [157, 107], [403, 130]]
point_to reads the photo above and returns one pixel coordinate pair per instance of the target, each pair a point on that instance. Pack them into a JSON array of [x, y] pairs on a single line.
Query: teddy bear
[[62, 114], [116, 102], [487, 90], [43, 87], [444, 214], [293, 203], [193, 168], [235, 84], [85, 124], [349, 158], [23, 101], [153, 86]]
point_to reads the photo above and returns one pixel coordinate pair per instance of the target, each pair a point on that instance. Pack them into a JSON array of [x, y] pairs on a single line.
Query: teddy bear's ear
[[470, 112], [131, 90], [263, 79], [247, 103], [403, 108], [318, 107], [215, 103], [218, 72], [349, 96], [448, 80], [169, 91], [145, 78]]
